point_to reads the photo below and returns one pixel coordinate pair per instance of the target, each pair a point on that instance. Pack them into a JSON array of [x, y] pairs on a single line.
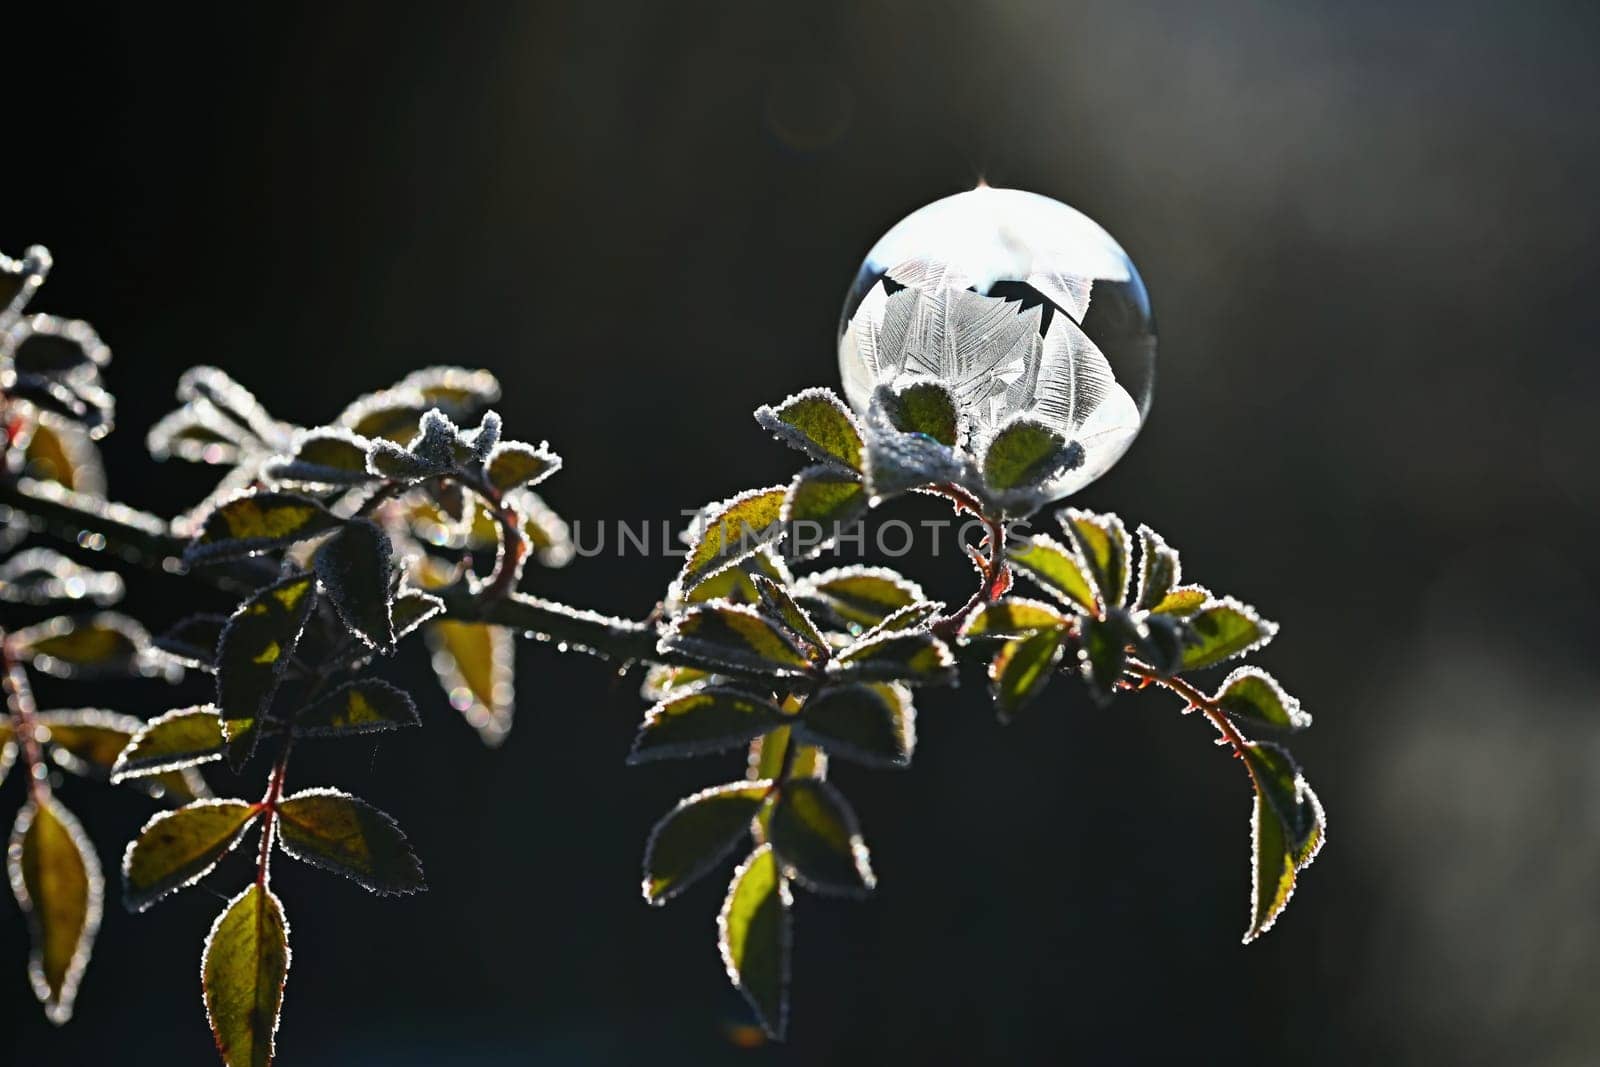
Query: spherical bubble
[[1019, 304]]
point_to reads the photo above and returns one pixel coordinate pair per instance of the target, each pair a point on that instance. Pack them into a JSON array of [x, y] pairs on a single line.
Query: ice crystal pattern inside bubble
[[1019, 304]]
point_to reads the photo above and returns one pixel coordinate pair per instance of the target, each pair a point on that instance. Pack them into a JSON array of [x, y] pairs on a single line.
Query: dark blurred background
[[1370, 235]]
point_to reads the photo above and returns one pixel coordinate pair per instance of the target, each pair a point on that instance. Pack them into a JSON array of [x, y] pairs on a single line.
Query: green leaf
[[102, 644], [1025, 453], [356, 568], [820, 503], [476, 665], [816, 834], [254, 653], [1287, 831], [1159, 569], [235, 404], [1055, 569], [779, 605], [897, 462], [872, 724], [1184, 601], [734, 530], [661, 680], [1021, 670], [927, 407], [346, 835], [697, 834], [1159, 641], [753, 935], [193, 640], [864, 596], [40, 576], [1011, 617], [412, 608], [710, 719], [1222, 630], [176, 849], [913, 656], [243, 968], [258, 522], [735, 583], [184, 737], [56, 879], [514, 465], [1252, 695], [817, 423], [367, 706], [1102, 654], [1102, 545], [910, 617], [735, 637], [325, 458], [767, 755]]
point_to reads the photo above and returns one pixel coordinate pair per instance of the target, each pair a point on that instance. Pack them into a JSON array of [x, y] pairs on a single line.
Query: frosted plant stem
[[19, 697]]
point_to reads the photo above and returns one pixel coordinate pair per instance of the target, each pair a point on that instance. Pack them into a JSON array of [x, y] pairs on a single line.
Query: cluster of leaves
[[408, 514], [796, 670]]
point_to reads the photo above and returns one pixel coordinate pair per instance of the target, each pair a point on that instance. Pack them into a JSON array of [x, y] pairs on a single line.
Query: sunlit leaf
[[183, 737], [176, 849], [1025, 453], [864, 596], [258, 522], [768, 753], [910, 617], [710, 719], [367, 706], [55, 876], [732, 531], [778, 604], [242, 969], [735, 637], [873, 724], [1102, 653], [237, 404], [21, 278], [816, 422], [1055, 569], [815, 834], [327, 457], [356, 569], [753, 934], [101, 644], [1250, 694], [39, 576], [346, 835], [1159, 569], [198, 433], [254, 652], [822, 500], [698, 834], [912, 656], [1102, 546], [1012, 617], [61, 452], [1021, 670], [1159, 640], [412, 608], [1222, 630], [662, 680], [927, 407], [90, 742], [737, 583], [475, 663], [897, 462], [1184, 601], [1288, 828], [513, 465]]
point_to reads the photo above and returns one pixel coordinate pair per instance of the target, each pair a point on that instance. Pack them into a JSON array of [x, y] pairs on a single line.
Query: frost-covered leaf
[[412, 608], [89, 741], [101, 644], [1021, 670], [1287, 831], [912, 656], [816, 422], [872, 724], [20, 279], [1222, 630], [710, 719], [1159, 569], [547, 532], [183, 737], [1055, 569], [63, 453], [898, 462], [661, 680], [192, 641], [822, 501], [176, 849], [732, 531], [258, 522], [864, 596], [242, 969], [1025, 453], [1102, 546], [254, 652], [1102, 653], [55, 876], [346, 835], [355, 568], [476, 663], [367, 706], [236, 404], [697, 835], [39, 576], [736, 583], [82, 403], [1250, 694], [736, 637], [513, 465], [1159, 640], [1011, 617], [1184, 601], [753, 935], [910, 617], [198, 433], [395, 412], [327, 457], [926, 407], [779, 605], [816, 835]]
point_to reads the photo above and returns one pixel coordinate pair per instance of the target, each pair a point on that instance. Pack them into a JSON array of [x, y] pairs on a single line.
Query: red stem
[[19, 698]]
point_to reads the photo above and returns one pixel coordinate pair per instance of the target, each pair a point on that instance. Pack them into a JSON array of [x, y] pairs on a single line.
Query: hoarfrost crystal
[[1020, 305]]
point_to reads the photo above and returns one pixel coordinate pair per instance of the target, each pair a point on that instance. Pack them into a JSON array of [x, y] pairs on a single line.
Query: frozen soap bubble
[[1018, 304]]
